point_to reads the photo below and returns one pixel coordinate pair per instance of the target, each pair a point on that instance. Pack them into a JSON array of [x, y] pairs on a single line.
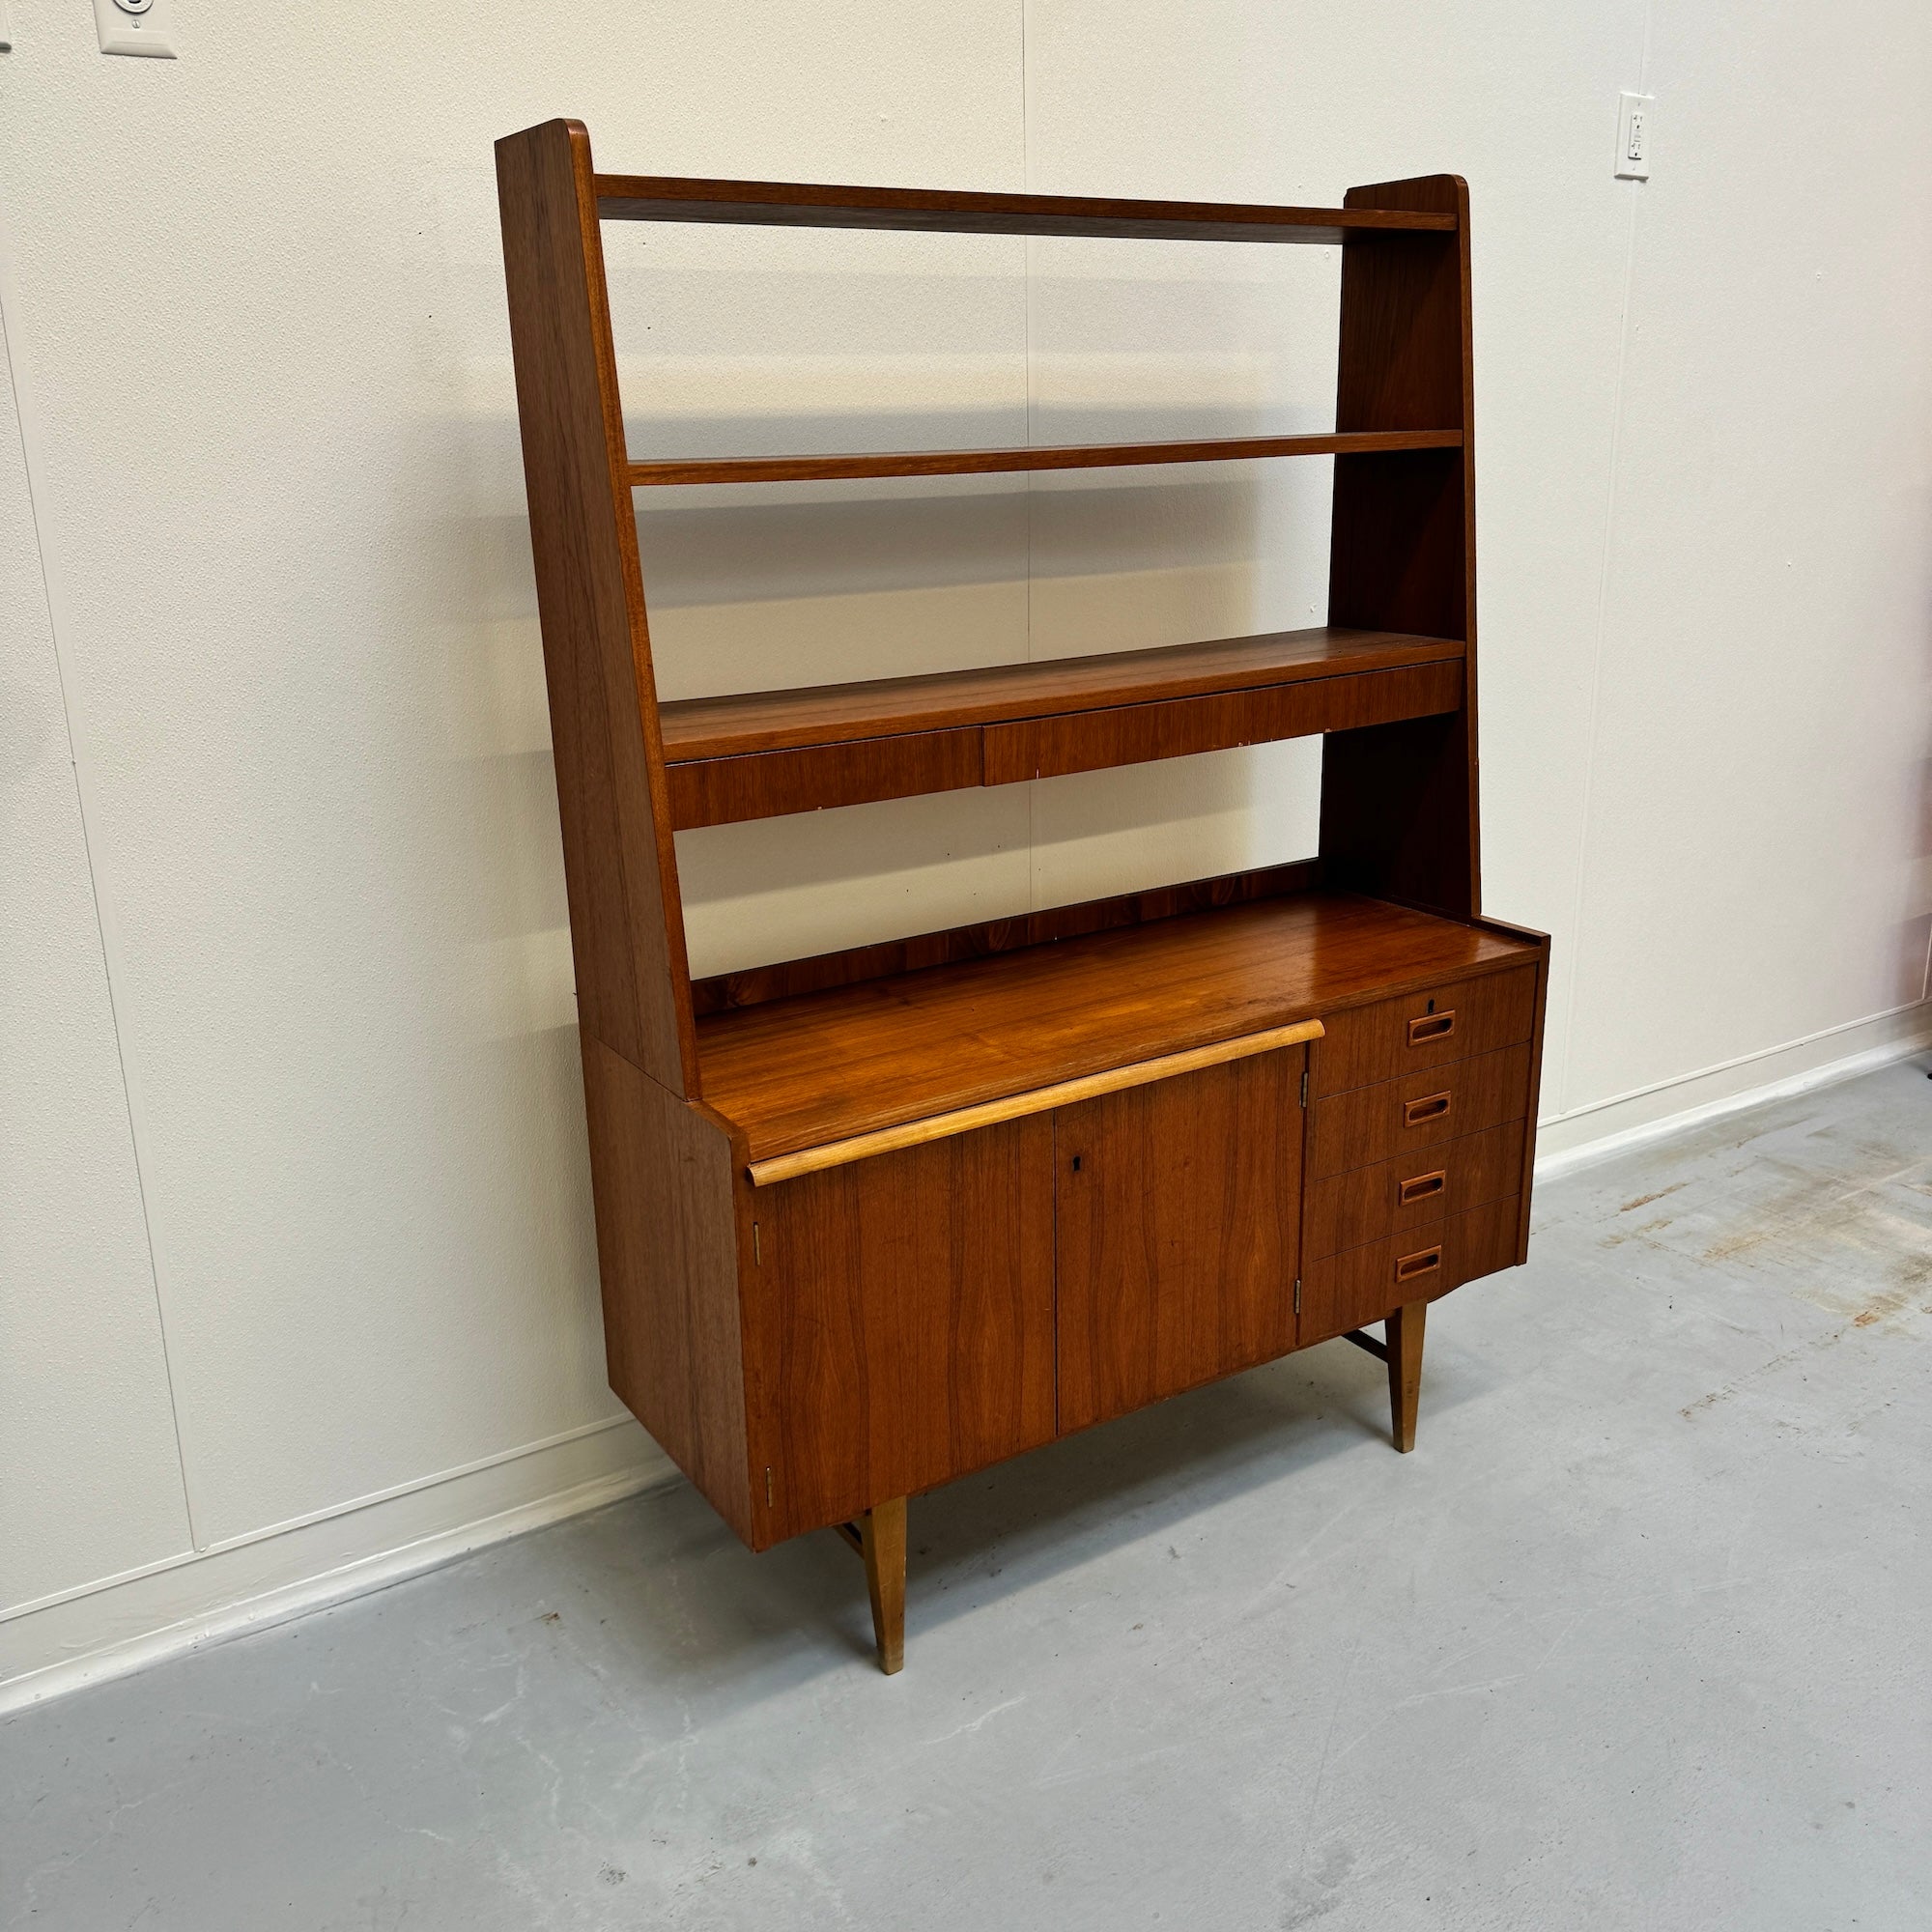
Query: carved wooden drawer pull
[[1425, 1263], [1432, 1027], [1433, 1108], [1422, 1187]]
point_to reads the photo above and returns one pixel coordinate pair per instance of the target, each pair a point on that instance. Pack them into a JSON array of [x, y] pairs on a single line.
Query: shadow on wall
[[750, 590], [759, 586]]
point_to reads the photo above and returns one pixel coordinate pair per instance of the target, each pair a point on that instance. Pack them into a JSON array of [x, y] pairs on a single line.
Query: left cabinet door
[[1179, 1221], [898, 1323]]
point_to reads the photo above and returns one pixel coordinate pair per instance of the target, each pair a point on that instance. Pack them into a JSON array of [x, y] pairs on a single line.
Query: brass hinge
[[757, 1259], [1297, 1295], [768, 1485], [1304, 1086]]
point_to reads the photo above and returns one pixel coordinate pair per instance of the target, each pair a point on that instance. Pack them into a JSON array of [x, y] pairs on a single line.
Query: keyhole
[[1076, 1163], [1431, 1006]]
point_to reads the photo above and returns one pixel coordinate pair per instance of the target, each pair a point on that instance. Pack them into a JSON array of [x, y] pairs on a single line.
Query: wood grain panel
[[900, 1324], [960, 212], [800, 1072], [620, 869], [776, 721], [663, 1179], [766, 784], [1415, 1190], [1137, 734], [1177, 1208], [1349, 1291], [1375, 1124], [1368, 1045]]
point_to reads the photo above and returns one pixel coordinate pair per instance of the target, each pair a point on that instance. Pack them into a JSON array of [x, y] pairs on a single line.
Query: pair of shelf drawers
[[1419, 1109]]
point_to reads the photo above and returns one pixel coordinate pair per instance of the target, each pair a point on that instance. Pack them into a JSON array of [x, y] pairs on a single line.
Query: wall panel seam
[[37, 496]]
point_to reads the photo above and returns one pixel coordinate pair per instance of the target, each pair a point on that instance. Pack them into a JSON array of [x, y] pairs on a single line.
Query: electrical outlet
[[1636, 113], [135, 27]]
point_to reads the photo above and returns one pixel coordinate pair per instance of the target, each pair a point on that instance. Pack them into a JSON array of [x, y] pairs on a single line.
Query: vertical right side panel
[[1398, 801]]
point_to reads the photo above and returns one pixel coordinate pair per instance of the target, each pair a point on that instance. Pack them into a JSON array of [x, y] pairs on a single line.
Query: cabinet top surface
[[800, 1072]]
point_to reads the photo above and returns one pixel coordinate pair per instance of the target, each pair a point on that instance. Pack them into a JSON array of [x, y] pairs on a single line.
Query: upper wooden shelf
[[825, 713], [942, 212], [822, 1067], [1065, 456]]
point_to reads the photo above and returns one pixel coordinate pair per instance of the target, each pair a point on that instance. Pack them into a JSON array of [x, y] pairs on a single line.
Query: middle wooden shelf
[[760, 755]]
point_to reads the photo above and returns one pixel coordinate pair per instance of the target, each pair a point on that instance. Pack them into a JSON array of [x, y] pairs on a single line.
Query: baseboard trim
[[1595, 1132], [128, 1622], [84, 1637]]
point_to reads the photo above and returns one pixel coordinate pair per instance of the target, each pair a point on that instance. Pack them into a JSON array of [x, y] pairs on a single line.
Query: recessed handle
[[1433, 1108], [1422, 1187], [1425, 1263], [1432, 1027]]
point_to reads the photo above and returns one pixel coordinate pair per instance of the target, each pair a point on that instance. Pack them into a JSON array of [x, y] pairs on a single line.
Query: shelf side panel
[[627, 928], [1399, 812]]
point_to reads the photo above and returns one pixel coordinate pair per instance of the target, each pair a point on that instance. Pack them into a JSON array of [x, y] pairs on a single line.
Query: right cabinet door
[[1177, 1210]]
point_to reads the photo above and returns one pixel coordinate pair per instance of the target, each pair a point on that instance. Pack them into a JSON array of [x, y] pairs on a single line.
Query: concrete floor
[[1638, 1637]]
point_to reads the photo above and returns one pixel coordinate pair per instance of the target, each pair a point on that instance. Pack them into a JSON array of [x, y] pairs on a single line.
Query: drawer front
[[1400, 1117], [1344, 1291], [1415, 1190], [1370, 1044]]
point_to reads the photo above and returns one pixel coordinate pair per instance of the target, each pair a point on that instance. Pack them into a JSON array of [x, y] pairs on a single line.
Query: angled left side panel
[[626, 924]]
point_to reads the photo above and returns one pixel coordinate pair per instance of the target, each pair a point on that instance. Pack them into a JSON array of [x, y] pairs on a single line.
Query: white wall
[[296, 1268]]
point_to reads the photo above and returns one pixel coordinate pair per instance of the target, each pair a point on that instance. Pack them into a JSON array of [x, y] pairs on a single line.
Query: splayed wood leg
[[1404, 1330], [879, 1536]]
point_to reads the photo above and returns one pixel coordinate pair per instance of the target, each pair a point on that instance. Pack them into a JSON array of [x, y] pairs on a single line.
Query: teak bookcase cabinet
[[869, 1221]]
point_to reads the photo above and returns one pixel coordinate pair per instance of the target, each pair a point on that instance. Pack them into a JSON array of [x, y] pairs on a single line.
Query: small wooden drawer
[[1369, 1044], [1396, 1118], [1412, 1191], [1344, 1291]]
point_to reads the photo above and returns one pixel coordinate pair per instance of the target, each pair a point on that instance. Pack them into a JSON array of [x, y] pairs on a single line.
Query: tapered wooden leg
[[882, 1541], [1404, 1330]]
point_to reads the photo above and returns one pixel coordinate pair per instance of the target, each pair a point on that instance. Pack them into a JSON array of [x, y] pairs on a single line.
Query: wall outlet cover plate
[[135, 27], [1636, 113]]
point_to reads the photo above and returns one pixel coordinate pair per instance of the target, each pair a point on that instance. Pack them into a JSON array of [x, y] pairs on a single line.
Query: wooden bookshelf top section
[[822, 1067], [1051, 456], [945, 212], [825, 713]]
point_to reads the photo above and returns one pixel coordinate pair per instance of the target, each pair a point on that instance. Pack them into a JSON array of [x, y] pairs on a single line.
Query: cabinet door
[[1178, 1209], [898, 1323]]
